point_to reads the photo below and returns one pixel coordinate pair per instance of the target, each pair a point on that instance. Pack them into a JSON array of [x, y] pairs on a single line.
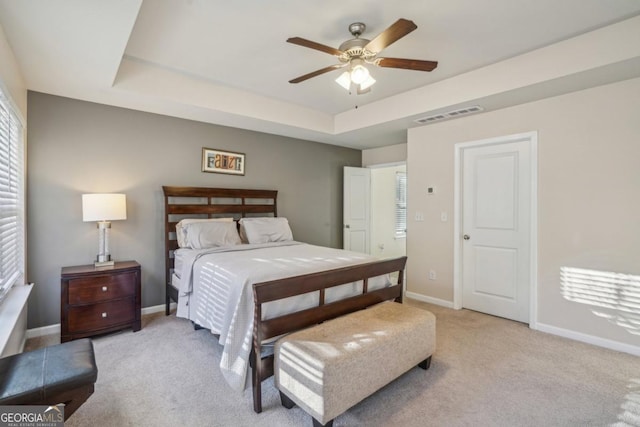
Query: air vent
[[449, 114]]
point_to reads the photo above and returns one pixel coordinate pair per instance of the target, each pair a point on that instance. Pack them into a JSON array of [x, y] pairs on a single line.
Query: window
[[401, 205], [11, 196]]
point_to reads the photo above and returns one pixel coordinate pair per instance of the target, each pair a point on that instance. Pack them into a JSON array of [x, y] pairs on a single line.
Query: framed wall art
[[218, 161]]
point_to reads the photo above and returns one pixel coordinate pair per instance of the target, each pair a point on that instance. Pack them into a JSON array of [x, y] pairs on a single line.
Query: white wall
[[588, 195], [384, 244], [384, 155], [13, 320], [11, 76]]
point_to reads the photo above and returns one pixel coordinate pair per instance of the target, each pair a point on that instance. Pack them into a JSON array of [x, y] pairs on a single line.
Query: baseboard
[[554, 330], [157, 308], [589, 339], [44, 330], [430, 300], [55, 329]]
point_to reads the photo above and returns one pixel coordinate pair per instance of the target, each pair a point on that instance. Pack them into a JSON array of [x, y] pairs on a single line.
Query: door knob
[[466, 237], [347, 226]]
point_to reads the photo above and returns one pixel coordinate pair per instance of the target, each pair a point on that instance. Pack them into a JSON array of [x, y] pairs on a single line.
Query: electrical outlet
[[432, 275]]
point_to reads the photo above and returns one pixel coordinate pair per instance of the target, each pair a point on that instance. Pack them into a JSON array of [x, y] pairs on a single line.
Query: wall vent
[[449, 114]]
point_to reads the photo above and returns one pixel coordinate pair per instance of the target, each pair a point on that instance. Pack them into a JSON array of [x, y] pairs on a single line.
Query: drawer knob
[[105, 289], [104, 314]]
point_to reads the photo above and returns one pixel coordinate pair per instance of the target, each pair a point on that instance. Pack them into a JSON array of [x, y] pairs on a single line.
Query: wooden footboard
[[262, 366]]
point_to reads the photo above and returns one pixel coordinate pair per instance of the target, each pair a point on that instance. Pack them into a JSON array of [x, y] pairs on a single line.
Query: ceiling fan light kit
[[358, 52], [367, 83], [359, 75], [359, 72], [344, 80]]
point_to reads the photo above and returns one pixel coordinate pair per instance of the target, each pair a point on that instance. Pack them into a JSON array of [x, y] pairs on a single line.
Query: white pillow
[[265, 230], [181, 232], [210, 234]]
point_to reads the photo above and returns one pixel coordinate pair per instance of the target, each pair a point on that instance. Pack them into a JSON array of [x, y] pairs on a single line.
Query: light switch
[[444, 217], [419, 216]]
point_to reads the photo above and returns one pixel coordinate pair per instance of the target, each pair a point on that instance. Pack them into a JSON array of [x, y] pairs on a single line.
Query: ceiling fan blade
[[396, 31], [313, 45], [317, 73], [407, 64]]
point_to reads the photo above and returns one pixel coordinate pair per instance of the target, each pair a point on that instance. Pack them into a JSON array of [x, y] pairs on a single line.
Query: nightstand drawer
[[94, 301], [99, 316], [101, 288]]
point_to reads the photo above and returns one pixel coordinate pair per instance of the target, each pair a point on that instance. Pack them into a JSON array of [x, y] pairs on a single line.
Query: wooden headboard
[[204, 202]]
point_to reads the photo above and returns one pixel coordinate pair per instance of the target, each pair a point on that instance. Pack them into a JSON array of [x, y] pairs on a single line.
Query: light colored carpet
[[486, 371]]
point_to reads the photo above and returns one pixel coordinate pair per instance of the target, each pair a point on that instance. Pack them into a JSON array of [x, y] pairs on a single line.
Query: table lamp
[[103, 208]]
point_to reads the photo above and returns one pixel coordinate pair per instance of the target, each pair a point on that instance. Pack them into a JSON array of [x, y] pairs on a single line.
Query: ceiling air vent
[[449, 114]]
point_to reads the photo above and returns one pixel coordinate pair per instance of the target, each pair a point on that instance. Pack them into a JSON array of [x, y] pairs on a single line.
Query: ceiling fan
[[357, 52]]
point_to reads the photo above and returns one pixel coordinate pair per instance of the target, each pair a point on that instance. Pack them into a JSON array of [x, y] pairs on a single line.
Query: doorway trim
[[459, 148]]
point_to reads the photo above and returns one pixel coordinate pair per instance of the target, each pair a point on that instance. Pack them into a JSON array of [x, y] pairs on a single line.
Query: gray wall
[[76, 147]]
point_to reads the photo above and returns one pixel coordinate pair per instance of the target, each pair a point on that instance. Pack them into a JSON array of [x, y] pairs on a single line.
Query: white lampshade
[[344, 80], [359, 74], [104, 207], [367, 83]]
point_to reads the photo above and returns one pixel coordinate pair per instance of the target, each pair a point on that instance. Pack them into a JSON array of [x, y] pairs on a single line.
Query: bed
[[239, 290]]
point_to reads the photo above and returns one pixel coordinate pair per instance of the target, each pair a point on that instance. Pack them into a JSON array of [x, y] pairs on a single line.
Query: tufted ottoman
[[328, 368]]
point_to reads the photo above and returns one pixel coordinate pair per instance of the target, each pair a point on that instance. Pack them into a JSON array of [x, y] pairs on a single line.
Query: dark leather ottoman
[[63, 373]]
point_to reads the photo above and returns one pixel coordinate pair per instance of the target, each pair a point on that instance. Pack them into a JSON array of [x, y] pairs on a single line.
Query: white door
[[496, 233], [356, 205]]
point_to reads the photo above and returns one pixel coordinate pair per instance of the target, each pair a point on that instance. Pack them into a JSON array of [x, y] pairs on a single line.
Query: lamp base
[[103, 259], [104, 264]]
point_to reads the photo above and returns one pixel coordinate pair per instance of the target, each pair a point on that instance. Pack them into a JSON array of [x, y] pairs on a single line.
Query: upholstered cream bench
[[328, 368]]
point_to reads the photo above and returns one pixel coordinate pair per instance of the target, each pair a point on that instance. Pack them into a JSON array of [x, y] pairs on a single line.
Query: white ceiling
[[228, 63]]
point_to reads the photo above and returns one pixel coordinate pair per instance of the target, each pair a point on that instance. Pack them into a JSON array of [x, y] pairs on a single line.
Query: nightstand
[[99, 300]]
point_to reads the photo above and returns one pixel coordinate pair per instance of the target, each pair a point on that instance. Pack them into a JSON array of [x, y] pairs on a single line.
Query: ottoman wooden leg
[[286, 402], [426, 363], [317, 423]]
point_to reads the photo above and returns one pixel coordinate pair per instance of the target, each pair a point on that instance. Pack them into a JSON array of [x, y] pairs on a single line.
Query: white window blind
[[401, 205], [11, 196]]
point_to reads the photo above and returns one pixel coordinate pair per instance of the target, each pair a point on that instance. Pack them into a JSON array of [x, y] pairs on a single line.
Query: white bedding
[[215, 290], [178, 256]]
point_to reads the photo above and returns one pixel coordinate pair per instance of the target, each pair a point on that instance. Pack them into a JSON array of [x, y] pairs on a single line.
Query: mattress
[[175, 281], [178, 261], [215, 290]]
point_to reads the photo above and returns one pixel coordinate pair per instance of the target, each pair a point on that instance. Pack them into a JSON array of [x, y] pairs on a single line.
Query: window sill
[[11, 309]]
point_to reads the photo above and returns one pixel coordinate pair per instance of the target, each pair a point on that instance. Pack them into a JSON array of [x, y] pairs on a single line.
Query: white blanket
[[216, 290]]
